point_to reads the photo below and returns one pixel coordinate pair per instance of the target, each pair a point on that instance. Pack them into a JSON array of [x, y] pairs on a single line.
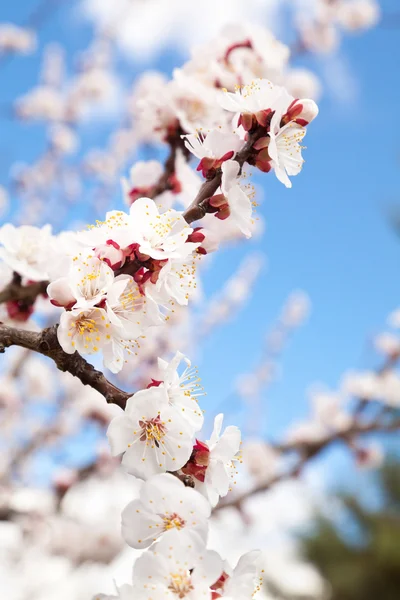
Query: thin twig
[[308, 451], [198, 208]]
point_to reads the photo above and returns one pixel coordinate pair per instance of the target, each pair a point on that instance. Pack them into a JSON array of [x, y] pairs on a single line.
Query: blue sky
[[329, 235]]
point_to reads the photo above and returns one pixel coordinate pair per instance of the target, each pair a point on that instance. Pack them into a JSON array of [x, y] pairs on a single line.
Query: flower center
[[84, 325], [131, 300], [117, 219], [180, 584], [173, 521], [153, 430]]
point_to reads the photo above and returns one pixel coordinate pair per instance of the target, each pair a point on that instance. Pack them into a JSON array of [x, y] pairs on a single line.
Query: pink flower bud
[[111, 253]]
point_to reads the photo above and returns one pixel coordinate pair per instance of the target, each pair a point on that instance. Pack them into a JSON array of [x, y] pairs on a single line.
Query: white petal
[[140, 528], [120, 434]]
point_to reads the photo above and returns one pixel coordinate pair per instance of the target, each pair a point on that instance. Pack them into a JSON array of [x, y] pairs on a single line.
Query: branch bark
[[308, 451], [22, 293], [46, 343], [198, 209], [164, 184]]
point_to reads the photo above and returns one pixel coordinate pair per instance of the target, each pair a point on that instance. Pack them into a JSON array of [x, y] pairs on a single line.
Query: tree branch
[[164, 183], [308, 451], [22, 293], [46, 343], [198, 209]]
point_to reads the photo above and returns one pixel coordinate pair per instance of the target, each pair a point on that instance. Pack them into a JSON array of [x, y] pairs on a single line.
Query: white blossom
[[160, 236], [26, 250], [302, 83], [183, 389], [193, 103], [129, 310], [285, 149], [176, 569], [240, 206], [165, 505], [244, 581], [151, 435], [143, 176], [213, 464], [115, 227], [86, 285], [86, 331], [253, 98], [214, 145], [176, 281]]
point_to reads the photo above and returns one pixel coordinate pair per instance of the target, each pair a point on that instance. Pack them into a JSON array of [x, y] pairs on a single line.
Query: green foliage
[[368, 568]]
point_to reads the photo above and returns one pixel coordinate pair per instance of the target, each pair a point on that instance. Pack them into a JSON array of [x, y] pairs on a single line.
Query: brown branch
[[164, 183], [308, 451], [45, 342], [198, 208], [22, 293]]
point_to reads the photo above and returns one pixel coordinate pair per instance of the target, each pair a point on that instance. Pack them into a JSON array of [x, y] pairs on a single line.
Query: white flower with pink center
[[111, 253], [285, 150], [257, 98], [213, 148], [244, 581], [160, 236], [176, 281], [176, 569], [150, 434], [115, 231], [130, 313], [254, 104], [165, 505], [129, 310], [86, 331], [213, 465], [86, 285]]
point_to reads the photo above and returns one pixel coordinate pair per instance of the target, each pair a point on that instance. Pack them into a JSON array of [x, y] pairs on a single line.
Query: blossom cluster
[[157, 109], [122, 276], [155, 435], [131, 267]]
